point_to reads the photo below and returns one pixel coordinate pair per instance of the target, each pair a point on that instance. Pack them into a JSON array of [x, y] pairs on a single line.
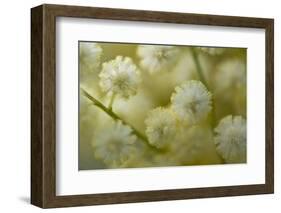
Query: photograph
[[161, 105]]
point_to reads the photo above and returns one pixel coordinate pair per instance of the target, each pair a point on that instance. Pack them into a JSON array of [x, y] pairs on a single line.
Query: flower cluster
[[192, 101], [120, 76], [90, 54], [190, 104], [231, 139], [231, 74], [161, 127], [115, 144], [155, 58]]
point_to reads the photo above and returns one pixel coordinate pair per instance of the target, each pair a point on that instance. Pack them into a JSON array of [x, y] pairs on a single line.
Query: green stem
[[116, 117], [198, 67], [202, 78], [111, 101]]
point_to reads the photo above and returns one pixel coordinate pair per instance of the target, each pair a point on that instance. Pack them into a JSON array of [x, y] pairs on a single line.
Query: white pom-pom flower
[[90, 54], [191, 101], [154, 58], [231, 74], [120, 77], [161, 127], [115, 144], [231, 139], [212, 50]]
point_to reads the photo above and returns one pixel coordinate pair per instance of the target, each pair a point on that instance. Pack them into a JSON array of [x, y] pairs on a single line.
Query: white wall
[[15, 106]]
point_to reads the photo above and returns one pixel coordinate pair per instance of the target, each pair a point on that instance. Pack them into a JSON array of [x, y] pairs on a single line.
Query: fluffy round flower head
[[191, 101], [231, 139], [155, 58], [120, 76], [115, 144], [231, 73], [90, 54], [212, 50], [161, 127]]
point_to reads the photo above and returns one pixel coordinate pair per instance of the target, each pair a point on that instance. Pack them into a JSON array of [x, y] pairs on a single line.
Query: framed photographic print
[[136, 106]]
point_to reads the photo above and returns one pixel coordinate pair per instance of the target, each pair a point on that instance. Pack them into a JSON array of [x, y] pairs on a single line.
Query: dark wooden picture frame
[[43, 105]]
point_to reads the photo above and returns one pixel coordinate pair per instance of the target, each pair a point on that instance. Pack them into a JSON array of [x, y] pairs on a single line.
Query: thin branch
[[116, 117], [202, 78], [111, 101], [198, 67]]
